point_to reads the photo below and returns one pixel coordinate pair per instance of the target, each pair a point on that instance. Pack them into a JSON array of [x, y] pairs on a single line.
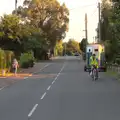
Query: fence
[[113, 68]]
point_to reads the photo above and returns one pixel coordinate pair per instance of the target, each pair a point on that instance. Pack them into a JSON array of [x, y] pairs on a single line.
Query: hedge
[[6, 59]]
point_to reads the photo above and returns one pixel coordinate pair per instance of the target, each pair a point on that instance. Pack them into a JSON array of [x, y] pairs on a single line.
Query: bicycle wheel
[[94, 75]]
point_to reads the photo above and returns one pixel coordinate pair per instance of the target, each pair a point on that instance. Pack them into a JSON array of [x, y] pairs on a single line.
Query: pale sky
[[77, 8]]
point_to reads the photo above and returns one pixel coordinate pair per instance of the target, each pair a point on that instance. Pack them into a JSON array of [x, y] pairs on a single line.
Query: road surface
[[67, 93]]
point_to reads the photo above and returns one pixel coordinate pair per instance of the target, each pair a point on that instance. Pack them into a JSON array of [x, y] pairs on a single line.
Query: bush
[[117, 61], [27, 60], [5, 59], [9, 56]]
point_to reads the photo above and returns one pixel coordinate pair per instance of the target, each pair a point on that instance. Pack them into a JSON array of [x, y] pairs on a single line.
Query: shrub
[[9, 56], [5, 59], [27, 60]]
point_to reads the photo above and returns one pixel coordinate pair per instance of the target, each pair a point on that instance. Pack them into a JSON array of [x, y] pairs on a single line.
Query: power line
[[82, 7], [94, 11]]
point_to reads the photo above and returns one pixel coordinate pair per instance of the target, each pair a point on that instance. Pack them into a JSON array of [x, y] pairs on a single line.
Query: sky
[[77, 8]]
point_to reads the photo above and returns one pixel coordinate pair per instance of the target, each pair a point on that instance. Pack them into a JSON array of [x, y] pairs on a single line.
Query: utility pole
[[65, 48], [86, 31], [99, 24], [16, 6]]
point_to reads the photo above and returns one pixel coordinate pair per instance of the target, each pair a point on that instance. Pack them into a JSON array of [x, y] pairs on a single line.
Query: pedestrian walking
[[15, 66]]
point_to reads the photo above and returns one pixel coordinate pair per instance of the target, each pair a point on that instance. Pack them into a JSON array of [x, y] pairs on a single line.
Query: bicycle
[[94, 73]]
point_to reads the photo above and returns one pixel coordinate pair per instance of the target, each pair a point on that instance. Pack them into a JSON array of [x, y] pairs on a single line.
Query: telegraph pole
[[99, 24], [86, 31], [16, 6]]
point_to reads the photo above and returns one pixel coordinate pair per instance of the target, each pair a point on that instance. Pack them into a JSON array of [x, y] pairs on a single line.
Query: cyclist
[[94, 62]]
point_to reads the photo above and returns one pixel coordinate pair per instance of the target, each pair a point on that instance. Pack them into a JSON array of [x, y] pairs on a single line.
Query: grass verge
[[113, 74]]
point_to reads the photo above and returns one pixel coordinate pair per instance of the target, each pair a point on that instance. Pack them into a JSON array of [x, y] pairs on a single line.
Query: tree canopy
[[82, 45], [110, 28], [38, 26], [72, 46]]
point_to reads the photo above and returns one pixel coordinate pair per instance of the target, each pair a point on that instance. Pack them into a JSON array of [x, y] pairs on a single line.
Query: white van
[[99, 51]]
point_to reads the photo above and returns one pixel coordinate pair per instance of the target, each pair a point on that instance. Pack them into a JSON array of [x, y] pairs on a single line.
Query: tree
[[50, 16], [72, 46], [38, 26], [16, 35], [10, 32], [105, 14], [83, 45], [110, 27], [59, 48]]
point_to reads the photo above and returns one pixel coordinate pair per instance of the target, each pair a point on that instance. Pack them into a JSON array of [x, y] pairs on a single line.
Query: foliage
[[27, 60], [72, 46], [110, 28], [59, 48], [83, 45], [48, 15], [6, 59], [37, 26]]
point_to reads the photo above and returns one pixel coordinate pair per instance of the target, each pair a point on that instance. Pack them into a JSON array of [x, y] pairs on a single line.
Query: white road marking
[[32, 111], [43, 95], [53, 82], [39, 70], [56, 78], [49, 88], [25, 77], [43, 68], [59, 73], [2, 88]]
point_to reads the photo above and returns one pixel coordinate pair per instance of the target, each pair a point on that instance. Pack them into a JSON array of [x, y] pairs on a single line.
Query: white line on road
[[56, 78], [25, 77], [49, 88], [32, 111], [43, 95], [39, 70], [2, 88], [53, 82], [43, 68], [59, 73]]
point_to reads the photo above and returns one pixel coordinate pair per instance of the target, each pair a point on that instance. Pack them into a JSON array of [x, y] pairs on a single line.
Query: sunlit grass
[[113, 74]]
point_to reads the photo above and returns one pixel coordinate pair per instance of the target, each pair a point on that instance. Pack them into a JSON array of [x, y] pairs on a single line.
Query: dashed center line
[[43, 95], [36, 105], [56, 78], [33, 110], [53, 82], [25, 77], [2, 88], [49, 88]]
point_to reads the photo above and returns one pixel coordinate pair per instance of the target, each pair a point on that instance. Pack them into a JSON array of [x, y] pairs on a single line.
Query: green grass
[[113, 74]]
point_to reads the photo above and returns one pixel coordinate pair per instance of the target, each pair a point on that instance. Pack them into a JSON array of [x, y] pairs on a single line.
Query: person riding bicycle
[[94, 62]]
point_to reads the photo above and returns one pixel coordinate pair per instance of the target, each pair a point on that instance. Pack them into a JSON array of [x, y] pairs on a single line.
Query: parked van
[[99, 51]]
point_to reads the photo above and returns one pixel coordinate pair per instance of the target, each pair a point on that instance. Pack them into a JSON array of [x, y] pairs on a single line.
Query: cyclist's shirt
[[93, 61]]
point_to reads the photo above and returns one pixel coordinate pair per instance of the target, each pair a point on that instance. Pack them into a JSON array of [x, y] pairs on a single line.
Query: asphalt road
[[67, 93]]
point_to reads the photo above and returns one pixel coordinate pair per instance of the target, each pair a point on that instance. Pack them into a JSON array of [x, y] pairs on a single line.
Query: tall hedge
[[6, 59]]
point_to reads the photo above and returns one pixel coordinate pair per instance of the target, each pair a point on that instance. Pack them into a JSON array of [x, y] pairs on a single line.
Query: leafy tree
[[83, 45], [72, 46], [38, 26], [105, 23], [10, 32], [50, 16], [110, 27], [59, 48]]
